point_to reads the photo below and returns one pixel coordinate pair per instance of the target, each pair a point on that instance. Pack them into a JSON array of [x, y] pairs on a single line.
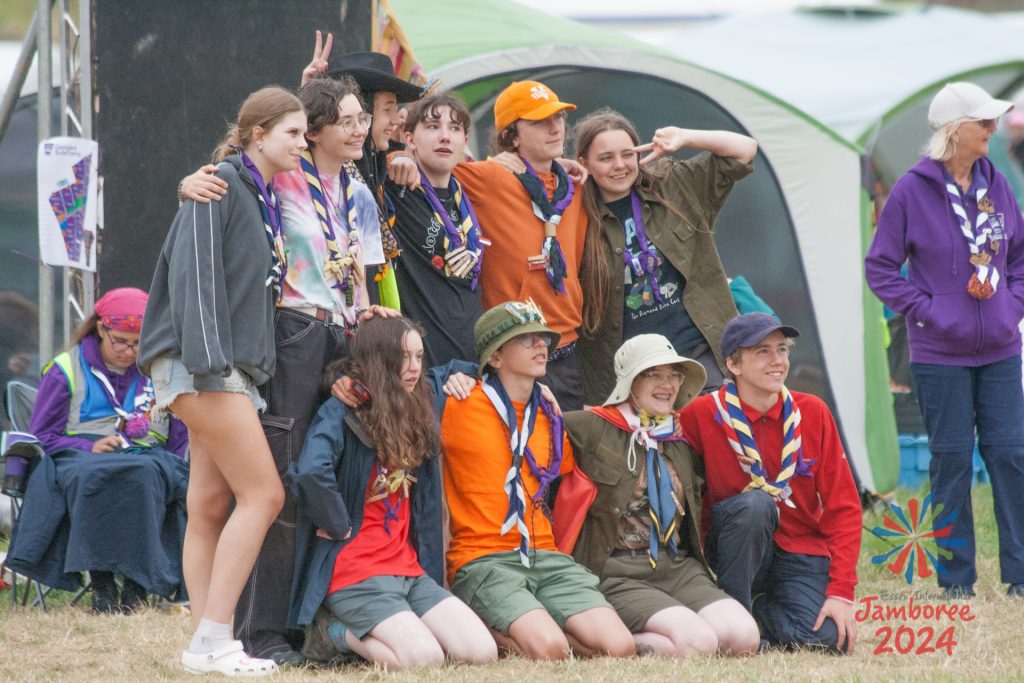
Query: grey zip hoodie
[[209, 303]]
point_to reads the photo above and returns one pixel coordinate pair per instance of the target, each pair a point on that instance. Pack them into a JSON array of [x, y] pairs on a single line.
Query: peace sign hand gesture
[[321, 54]]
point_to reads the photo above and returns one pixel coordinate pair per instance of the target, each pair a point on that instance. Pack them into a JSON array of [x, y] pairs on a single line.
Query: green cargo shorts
[[500, 589]]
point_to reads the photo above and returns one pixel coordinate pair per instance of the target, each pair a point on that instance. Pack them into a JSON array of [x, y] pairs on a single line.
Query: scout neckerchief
[[462, 244], [645, 261], [386, 483], [271, 212], [551, 258], [133, 425], [387, 286], [985, 278], [519, 437], [663, 501], [741, 438], [385, 216], [343, 269]]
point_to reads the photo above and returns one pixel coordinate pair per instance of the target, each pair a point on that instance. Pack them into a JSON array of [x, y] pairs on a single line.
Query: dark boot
[[133, 596], [104, 593]]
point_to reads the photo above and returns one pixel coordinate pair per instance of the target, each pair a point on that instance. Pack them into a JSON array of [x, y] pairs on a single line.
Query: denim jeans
[[958, 402], [788, 588]]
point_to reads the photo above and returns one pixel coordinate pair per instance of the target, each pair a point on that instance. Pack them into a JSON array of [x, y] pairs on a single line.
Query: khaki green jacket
[[698, 189], [600, 450]]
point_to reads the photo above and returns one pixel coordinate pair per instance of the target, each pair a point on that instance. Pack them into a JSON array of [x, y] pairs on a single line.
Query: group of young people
[[439, 503]]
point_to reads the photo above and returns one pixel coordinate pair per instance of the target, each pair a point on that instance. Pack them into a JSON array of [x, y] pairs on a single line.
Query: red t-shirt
[[373, 551], [827, 518]]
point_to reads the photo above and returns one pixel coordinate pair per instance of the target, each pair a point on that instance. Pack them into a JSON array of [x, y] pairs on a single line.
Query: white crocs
[[229, 660]]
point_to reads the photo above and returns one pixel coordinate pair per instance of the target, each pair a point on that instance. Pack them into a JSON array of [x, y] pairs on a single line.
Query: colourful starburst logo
[[920, 536]]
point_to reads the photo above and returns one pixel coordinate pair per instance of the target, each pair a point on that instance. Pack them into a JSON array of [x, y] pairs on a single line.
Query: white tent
[[867, 74]]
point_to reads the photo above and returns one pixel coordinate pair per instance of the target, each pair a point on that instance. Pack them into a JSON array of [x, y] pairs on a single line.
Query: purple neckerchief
[[544, 475], [554, 259], [541, 203], [547, 475], [472, 242], [648, 253], [270, 209]]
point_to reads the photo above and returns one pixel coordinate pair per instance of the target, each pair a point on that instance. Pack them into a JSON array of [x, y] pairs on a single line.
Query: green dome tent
[[793, 229]]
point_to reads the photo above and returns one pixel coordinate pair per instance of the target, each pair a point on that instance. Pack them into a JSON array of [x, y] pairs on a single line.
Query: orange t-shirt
[[506, 219], [476, 459]]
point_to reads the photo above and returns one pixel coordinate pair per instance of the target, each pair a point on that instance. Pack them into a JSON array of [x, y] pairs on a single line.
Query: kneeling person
[[369, 528], [785, 518], [642, 533], [504, 446]]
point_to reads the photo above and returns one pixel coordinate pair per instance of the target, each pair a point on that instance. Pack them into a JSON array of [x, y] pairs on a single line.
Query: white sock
[[209, 636]]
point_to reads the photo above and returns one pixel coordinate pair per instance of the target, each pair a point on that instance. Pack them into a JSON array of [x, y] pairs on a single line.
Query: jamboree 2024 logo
[[919, 535]]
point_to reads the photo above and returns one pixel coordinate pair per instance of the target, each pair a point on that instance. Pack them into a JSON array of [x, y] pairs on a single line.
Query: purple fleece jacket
[[946, 325]]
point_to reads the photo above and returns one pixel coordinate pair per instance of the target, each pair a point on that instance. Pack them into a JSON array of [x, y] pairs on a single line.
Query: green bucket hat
[[505, 321]]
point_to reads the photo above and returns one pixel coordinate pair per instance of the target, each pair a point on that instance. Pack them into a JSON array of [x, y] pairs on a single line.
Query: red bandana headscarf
[[122, 309]]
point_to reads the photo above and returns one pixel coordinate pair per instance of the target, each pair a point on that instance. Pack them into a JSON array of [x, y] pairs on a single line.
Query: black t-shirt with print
[[667, 317], [446, 307]]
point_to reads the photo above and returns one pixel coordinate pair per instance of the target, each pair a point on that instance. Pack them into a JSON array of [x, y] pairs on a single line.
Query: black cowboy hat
[[373, 72]]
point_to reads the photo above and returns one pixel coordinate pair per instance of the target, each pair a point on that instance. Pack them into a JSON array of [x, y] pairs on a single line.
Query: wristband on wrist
[[398, 154], [181, 189]]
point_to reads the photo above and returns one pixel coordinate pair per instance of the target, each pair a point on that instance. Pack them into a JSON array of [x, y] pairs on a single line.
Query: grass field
[[71, 644]]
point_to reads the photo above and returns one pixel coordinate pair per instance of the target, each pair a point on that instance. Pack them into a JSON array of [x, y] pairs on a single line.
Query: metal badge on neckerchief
[[344, 270], [644, 264], [983, 239], [463, 245], [551, 259]]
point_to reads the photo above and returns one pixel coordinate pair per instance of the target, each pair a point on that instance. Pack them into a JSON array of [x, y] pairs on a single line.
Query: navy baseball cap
[[749, 329]]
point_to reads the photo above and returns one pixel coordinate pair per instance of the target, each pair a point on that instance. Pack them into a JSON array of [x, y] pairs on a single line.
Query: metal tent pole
[[44, 100], [28, 51]]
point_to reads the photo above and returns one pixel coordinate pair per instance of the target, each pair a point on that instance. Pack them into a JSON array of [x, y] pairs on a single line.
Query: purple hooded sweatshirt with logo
[[945, 324]]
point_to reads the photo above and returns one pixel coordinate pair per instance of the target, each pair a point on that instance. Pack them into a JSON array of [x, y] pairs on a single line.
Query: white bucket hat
[[963, 101], [646, 351]]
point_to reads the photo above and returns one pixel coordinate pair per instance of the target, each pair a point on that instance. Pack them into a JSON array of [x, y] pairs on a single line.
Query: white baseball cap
[[963, 101]]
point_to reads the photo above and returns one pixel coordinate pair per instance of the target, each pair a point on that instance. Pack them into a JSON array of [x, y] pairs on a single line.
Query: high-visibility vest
[[90, 411]]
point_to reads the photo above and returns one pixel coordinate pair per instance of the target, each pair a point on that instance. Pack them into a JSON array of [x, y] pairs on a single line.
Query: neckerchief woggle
[[462, 244], [387, 483], [551, 214], [519, 437], [344, 270], [647, 260], [740, 436], [985, 278], [663, 502], [136, 423], [270, 210]]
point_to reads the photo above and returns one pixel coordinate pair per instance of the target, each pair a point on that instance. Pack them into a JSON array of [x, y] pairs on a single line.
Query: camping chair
[[20, 399]]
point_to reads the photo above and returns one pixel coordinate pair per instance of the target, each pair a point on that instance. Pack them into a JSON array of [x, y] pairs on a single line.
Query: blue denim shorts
[[171, 379]]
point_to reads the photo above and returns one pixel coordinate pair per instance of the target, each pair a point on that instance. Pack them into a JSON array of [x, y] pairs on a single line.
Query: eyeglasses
[[675, 377], [350, 124], [121, 345], [528, 341]]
